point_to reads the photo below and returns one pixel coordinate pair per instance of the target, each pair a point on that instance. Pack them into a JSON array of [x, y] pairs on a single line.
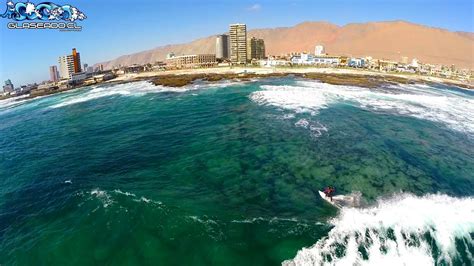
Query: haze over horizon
[[40, 49]]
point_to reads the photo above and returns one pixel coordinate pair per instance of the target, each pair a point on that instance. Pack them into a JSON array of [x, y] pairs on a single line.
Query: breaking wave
[[450, 108], [11, 102], [128, 89], [403, 230], [139, 88]]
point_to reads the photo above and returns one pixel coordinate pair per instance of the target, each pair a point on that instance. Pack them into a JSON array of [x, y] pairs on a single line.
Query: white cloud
[[254, 7]]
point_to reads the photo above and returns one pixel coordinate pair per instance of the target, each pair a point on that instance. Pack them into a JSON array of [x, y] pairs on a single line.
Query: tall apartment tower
[[69, 64], [255, 48], [66, 66], [238, 43], [222, 46], [260, 49], [53, 74], [77, 60]]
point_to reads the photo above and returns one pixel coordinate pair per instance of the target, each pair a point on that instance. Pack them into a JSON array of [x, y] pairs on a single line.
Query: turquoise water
[[224, 174]]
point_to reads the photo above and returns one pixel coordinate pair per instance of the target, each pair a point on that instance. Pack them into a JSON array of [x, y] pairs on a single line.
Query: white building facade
[[319, 50], [66, 66], [309, 59]]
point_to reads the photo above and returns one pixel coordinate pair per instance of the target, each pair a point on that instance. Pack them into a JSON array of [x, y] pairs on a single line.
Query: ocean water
[[228, 173]]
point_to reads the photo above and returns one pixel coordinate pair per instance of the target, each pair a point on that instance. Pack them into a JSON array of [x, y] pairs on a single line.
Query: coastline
[[335, 76]]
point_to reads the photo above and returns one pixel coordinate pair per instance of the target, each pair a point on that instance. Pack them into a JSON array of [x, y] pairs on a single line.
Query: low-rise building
[[25, 89], [327, 60], [79, 78], [309, 59], [357, 62], [191, 61], [103, 77], [46, 86], [302, 59], [272, 62], [386, 65], [8, 87], [134, 69]]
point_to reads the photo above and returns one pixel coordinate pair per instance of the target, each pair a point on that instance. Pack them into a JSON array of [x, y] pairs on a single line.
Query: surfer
[[329, 191]]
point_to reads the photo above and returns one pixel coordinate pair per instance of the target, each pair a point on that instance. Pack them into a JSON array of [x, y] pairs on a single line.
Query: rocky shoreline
[[369, 80]]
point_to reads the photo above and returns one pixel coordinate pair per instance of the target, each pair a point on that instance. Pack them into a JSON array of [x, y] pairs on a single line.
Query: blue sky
[[119, 27]]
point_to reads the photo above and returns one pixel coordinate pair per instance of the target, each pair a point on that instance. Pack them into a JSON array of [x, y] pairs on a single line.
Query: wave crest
[[450, 108], [405, 230]]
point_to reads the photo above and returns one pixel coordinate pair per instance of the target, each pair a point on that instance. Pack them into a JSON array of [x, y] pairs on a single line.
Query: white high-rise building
[[319, 50], [69, 64], [66, 66]]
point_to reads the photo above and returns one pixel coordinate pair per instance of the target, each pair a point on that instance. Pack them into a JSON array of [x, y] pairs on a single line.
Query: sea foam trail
[[453, 109], [9, 102], [128, 89], [403, 230], [139, 88]]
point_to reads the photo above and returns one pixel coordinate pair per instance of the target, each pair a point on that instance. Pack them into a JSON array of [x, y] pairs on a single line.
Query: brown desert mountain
[[383, 40]]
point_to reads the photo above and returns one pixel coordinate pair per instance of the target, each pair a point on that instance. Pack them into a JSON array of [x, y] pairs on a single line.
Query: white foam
[[203, 220], [127, 89], [103, 196], [300, 99], [146, 200], [302, 123], [444, 218], [139, 88], [272, 220], [108, 198], [316, 128], [118, 191], [10, 104], [13, 101], [450, 108]]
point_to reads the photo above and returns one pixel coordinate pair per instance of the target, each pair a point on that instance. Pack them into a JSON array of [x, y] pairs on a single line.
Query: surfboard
[[333, 202]]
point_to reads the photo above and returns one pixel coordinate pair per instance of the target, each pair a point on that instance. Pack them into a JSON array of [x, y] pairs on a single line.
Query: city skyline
[[31, 64]]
